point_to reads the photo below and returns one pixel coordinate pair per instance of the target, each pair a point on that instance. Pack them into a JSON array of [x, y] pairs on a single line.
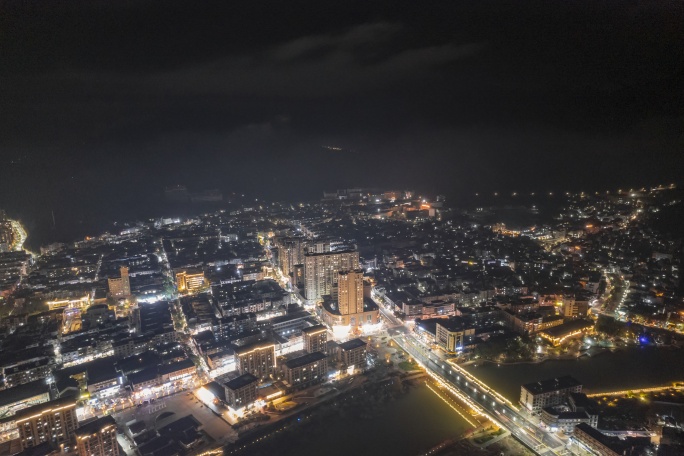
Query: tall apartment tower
[[290, 253], [120, 287], [321, 271], [98, 438], [350, 292], [49, 422]]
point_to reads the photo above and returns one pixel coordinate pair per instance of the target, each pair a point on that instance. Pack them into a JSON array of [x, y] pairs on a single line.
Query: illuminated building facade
[[241, 391], [98, 438], [315, 339], [50, 422], [321, 271], [350, 292], [120, 287], [451, 335], [350, 312], [290, 253], [257, 359], [189, 282]]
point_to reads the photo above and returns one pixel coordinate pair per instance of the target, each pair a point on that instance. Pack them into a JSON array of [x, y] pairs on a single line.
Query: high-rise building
[[257, 359], [53, 421], [98, 438], [321, 271], [120, 287], [290, 253], [315, 339], [350, 292]]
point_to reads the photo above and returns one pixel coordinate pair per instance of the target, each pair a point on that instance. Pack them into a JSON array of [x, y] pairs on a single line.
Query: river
[[408, 425], [610, 371]]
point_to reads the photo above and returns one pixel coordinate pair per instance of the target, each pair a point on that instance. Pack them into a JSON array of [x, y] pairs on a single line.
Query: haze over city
[[369, 228]]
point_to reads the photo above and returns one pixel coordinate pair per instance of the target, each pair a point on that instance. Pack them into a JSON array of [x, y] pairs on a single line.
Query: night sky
[[104, 103]]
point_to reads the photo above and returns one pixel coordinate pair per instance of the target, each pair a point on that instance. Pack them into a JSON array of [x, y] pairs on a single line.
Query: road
[[498, 408]]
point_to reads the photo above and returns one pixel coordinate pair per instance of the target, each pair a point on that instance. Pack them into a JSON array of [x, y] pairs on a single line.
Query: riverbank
[[398, 417], [618, 369], [595, 353]]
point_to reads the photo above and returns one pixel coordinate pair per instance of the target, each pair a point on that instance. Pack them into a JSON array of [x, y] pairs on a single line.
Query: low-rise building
[[451, 334], [538, 395]]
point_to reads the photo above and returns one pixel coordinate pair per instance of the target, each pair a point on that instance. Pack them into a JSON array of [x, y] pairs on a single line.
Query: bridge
[[677, 386], [483, 400]]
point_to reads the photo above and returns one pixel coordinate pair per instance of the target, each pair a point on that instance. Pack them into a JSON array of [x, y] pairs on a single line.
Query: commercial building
[[241, 391], [315, 339], [50, 422], [120, 287], [321, 271], [558, 334], [306, 370], [257, 359], [536, 396], [451, 334], [98, 438], [20, 397], [596, 442], [190, 281]]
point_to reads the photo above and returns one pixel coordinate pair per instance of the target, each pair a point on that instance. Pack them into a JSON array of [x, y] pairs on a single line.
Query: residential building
[[350, 292], [241, 391], [352, 353], [321, 271], [120, 287], [98, 438], [315, 339], [306, 370], [257, 359], [53, 421]]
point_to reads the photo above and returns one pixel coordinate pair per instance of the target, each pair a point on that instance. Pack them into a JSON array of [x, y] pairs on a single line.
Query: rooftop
[[304, 360], [352, 344], [241, 381], [554, 384], [21, 392], [567, 328], [95, 426]]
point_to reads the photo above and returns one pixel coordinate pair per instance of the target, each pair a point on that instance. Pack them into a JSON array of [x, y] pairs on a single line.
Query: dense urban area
[[241, 330]]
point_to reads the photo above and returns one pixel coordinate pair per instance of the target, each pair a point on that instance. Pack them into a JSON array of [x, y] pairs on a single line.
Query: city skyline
[[445, 99], [371, 228]]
